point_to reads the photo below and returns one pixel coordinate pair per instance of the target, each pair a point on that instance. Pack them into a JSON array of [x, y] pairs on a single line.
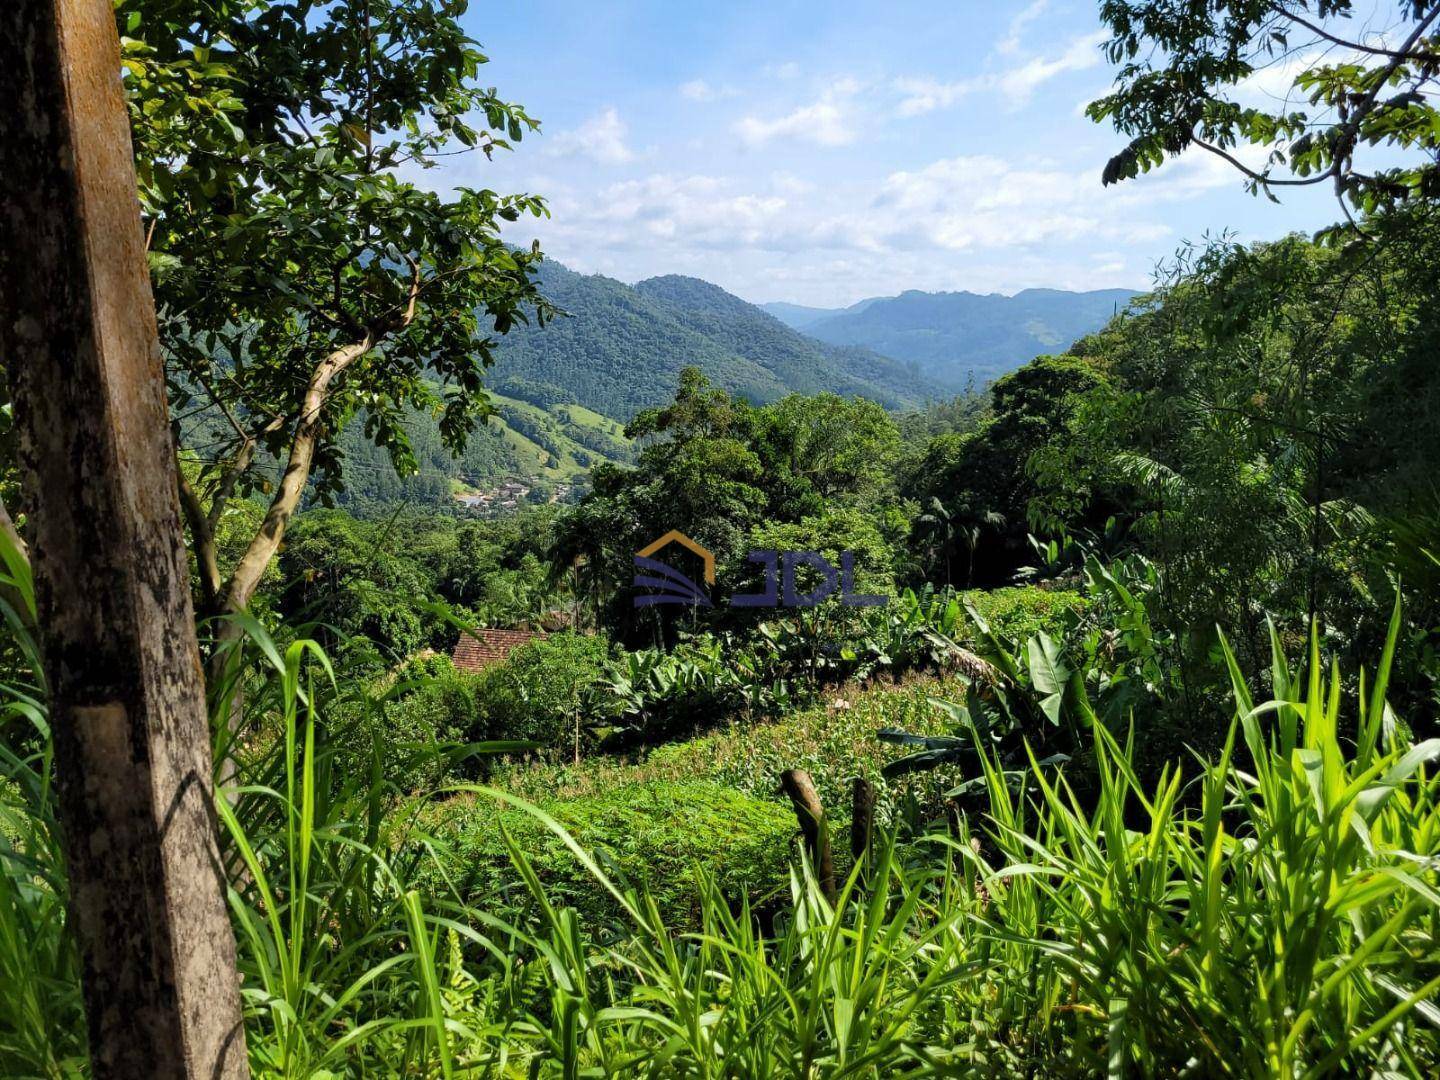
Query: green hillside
[[621, 348], [801, 363], [563, 392], [555, 444]]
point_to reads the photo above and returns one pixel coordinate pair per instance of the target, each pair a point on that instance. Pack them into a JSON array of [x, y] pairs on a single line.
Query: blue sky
[[824, 152]]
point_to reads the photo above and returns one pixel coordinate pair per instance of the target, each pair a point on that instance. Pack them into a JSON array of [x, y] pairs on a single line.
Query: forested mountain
[[957, 336], [620, 348], [563, 391]]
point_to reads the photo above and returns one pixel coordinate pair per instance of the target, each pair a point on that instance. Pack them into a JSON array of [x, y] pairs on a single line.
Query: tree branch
[[397, 318], [1259, 178], [308, 430], [1349, 129], [202, 535], [237, 467]]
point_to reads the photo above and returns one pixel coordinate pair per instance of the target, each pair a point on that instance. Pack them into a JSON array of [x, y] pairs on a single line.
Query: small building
[[486, 648]]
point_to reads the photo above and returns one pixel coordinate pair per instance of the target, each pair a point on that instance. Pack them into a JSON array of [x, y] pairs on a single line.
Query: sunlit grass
[[1269, 913]]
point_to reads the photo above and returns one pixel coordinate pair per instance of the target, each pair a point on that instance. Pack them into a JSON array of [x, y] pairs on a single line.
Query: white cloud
[[700, 90], [1082, 54], [601, 138], [970, 204], [695, 210], [1021, 205], [1273, 85], [828, 121], [786, 183], [1193, 173], [1016, 84], [927, 95], [822, 123], [972, 222], [1018, 25]]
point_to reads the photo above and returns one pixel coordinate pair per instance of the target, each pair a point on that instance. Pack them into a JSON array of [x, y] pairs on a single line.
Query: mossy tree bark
[[132, 750]]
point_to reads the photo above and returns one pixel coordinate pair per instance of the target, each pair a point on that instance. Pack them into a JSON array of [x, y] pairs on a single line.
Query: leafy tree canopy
[[724, 471], [300, 275], [1359, 88]]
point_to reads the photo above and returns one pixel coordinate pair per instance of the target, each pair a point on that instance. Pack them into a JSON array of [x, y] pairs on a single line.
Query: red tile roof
[[490, 647]]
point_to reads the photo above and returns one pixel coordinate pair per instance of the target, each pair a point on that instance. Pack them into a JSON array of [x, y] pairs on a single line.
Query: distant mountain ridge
[[620, 348], [956, 337], [799, 316]]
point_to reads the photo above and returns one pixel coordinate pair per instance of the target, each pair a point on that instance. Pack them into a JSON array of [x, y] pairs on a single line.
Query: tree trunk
[[222, 672], [132, 752]]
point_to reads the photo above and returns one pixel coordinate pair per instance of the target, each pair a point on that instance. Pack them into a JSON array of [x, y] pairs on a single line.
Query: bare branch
[[1358, 46]]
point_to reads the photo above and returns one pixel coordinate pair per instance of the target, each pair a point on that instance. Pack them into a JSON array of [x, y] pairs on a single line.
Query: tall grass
[[1269, 913], [42, 1018], [1283, 923], [1276, 918], [346, 966]]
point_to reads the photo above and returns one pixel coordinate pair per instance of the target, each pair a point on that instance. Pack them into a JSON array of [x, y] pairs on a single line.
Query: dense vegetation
[[538, 436], [1144, 737], [1055, 928], [1084, 728]]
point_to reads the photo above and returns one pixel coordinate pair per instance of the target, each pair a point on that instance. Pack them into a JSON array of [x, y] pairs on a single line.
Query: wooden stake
[[862, 819], [132, 749], [797, 784]]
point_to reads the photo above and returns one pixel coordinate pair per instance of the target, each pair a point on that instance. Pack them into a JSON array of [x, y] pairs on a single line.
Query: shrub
[[653, 695], [1026, 610], [834, 741], [404, 721], [540, 694]]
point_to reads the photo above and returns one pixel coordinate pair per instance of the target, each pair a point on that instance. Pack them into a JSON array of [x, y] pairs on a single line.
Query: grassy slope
[[712, 801], [563, 426], [556, 443], [834, 741]]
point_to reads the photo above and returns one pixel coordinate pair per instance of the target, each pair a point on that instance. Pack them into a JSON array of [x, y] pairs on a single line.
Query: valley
[[563, 393]]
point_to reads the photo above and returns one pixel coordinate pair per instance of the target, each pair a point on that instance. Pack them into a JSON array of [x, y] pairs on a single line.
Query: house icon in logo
[[675, 587]]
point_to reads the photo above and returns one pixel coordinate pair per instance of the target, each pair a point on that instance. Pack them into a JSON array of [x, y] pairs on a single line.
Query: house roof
[[484, 648]]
